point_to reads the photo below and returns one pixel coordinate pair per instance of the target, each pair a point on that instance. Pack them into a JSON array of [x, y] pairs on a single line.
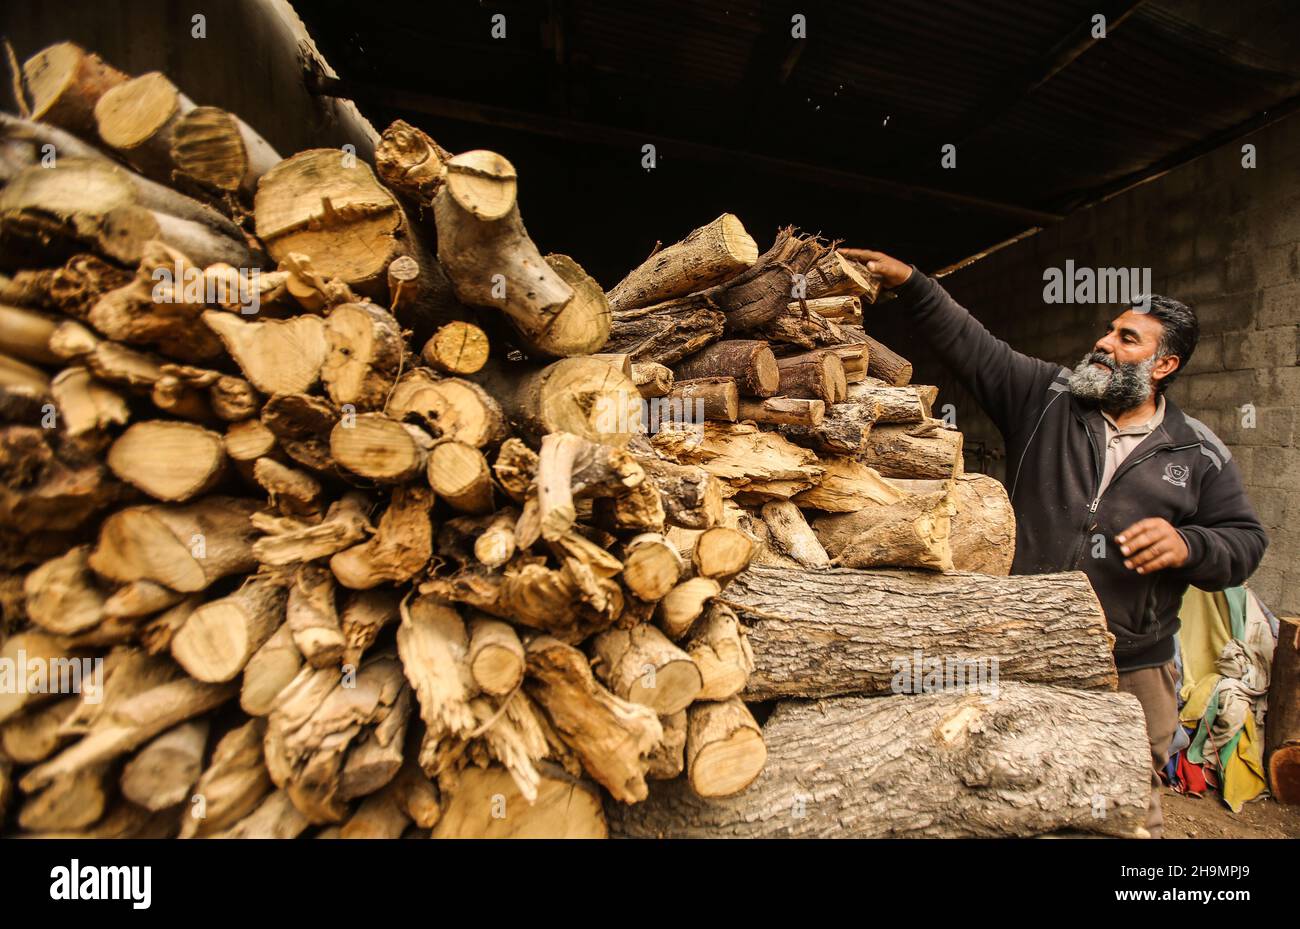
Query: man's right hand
[[892, 272]]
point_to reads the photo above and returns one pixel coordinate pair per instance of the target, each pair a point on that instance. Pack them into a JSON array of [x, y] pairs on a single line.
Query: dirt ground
[[1209, 818]]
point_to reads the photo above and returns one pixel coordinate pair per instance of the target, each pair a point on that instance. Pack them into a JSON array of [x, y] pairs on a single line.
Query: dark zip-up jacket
[[1055, 454]]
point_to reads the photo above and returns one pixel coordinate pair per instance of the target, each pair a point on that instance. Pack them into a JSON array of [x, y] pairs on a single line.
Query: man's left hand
[[1152, 545]]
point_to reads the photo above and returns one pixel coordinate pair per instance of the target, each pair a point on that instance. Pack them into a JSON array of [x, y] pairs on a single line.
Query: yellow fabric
[[1206, 628], [1243, 774]]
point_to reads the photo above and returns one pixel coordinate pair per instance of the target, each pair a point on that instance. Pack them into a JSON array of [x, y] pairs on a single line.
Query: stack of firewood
[[423, 532]]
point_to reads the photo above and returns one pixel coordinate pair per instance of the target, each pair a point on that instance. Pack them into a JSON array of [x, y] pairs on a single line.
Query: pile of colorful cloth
[[1225, 651]]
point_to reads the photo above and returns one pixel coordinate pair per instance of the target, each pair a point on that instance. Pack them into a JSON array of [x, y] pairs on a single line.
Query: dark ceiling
[[838, 133]]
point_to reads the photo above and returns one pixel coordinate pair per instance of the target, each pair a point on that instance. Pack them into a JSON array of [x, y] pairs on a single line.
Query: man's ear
[[1165, 366]]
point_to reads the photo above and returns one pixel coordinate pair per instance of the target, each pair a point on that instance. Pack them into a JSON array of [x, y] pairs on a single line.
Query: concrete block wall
[[1216, 235]]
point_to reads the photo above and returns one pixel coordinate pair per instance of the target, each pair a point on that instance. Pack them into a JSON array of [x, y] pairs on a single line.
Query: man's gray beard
[[1122, 388]]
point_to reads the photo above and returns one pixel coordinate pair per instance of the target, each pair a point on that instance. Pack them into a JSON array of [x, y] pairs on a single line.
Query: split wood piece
[[231, 398], [312, 617], [884, 363], [140, 598], [373, 446], [982, 533], [760, 293], [293, 492], [64, 82], [1282, 734], [496, 656], [62, 596], [269, 671], [417, 795], [496, 545], [487, 804], [833, 275], [162, 772], [527, 592], [619, 360], [718, 646], [221, 636], [70, 803], [301, 425], [792, 536], [327, 204], [287, 543], [668, 759], [377, 754], [157, 633], [248, 440], [814, 375], [584, 396], [897, 404], [846, 307], [35, 735], [756, 466], [276, 355], [491, 261], [652, 379], [25, 377], [457, 348], [570, 467], [925, 450], [379, 816], [724, 748], [610, 736], [793, 411], [806, 330], [411, 163], [185, 547], [170, 461], [434, 647], [652, 566], [365, 613], [138, 118], [459, 474], [25, 334], [400, 548], [133, 722], [513, 734], [847, 486], [220, 151], [918, 766], [233, 783], [853, 357], [909, 533], [721, 552], [677, 612], [841, 630], [275, 818], [24, 688], [641, 665], [665, 333], [449, 407], [709, 255], [88, 406], [108, 361], [694, 400], [366, 352], [845, 430], [750, 362]]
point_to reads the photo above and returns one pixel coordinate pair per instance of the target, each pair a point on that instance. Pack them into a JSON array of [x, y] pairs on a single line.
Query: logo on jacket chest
[[1176, 474]]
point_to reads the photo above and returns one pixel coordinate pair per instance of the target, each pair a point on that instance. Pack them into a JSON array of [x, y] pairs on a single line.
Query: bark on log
[[982, 528], [926, 451], [844, 430], [64, 82], [784, 411], [897, 404], [1282, 729], [793, 537], [1029, 761], [815, 375], [720, 649], [911, 532], [665, 333], [749, 361], [220, 151], [707, 256], [713, 397], [841, 630]]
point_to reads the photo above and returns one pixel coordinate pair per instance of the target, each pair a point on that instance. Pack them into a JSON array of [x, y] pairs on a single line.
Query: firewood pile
[[423, 532]]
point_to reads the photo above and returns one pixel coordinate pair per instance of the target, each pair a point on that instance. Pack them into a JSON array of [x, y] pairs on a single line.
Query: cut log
[[269, 671], [293, 492], [841, 630], [783, 411], [792, 536], [718, 646], [847, 307], [220, 151], [496, 656], [693, 400], [652, 379], [668, 759], [170, 461], [25, 650], [450, 408], [221, 636], [721, 552], [897, 404], [641, 665], [709, 255], [815, 375], [277, 356], [665, 333], [584, 396], [312, 617], [833, 275], [497, 544], [651, 566], [1282, 732], [162, 773], [885, 364], [487, 804], [611, 736], [948, 765], [379, 448], [912, 532], [847, 486], [25, 334], [70, 803], [459, 474], [982, 533], [457, 348], [185, 547], [62, 596], [411, 163], [138, 118], [64, 82], [760, 293], [140, 598], [434, 647], [750, 362], [926, 451], [343, 526], [677, 612], [724, 748], [365, 354], [274, 818], [400, 548], [232, 785], [37, 734], [843, 431], [757, 466]]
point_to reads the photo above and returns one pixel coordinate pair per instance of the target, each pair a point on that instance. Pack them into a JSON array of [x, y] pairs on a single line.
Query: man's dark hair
[[1181, 332]]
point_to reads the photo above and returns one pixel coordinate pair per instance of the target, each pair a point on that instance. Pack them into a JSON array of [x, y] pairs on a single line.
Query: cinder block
[[1267, 582], [1282, 227], [1225, 312], [1260, 348], [1279, 265], [1275, 387], [1277, 468], [1280, 306], [1274, 425], [1207, 357], [1219, 390]]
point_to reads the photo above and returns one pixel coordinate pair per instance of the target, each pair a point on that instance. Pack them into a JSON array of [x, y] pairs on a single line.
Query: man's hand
[[1152, 545], [892, 271]]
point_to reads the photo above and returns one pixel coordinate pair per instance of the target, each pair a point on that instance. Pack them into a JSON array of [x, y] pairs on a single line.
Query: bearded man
[[1106, 475]]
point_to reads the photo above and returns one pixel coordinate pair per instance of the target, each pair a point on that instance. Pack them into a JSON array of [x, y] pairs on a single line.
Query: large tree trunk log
[[1282, 728], [707, 256], [982, 534], [841, 630], [1028, 761]]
